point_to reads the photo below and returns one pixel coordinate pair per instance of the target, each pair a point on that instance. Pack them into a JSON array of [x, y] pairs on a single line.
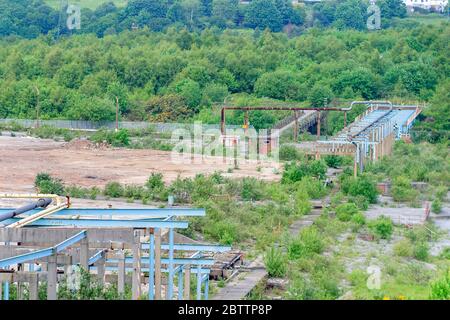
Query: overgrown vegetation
[[178, 79]]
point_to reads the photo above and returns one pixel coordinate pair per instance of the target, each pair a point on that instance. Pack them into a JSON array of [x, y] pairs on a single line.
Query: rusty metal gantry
[[267, 108]]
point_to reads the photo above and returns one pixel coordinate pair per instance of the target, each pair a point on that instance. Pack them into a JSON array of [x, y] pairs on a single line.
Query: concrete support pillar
[[19, 285], [318, 125], [180, 284], [51, 278], [151, 265], [171, 265], [158, 264], [84, 254], [296, 126], [136, 284], [199, 283], [121, 273], [101, 270], [34, 286], [187, 282]]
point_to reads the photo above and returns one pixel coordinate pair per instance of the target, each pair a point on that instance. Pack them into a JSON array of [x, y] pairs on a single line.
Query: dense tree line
[[30, 18], [173, 75]]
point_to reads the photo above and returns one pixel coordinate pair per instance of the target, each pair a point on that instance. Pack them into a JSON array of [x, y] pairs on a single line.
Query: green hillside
[[91, 4]]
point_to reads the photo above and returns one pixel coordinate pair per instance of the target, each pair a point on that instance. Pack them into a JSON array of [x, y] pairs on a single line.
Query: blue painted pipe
[[41, 203]]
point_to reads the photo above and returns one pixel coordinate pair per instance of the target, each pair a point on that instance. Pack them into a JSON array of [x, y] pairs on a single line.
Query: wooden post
[[345, 119], [121, 273], [51, 278], [34, 286], [158, 264], [187, 282], [136, 284]]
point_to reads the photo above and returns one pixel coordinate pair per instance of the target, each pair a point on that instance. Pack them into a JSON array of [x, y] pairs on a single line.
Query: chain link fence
[[83, 125]]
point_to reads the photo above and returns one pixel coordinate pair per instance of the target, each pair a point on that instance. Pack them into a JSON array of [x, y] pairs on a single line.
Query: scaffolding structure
[[109, 243], [372, 134]]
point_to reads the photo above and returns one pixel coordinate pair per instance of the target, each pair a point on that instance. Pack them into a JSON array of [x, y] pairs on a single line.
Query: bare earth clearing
[[21, 158]]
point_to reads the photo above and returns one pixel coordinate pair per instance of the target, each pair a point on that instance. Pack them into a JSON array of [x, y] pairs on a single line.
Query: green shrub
[[441, 192], [402, 190], [113, 189], [77, 192], [133, 192], [308, 242], [94, 192], [382, 227], [333, 161], [296, 171], [115, 138], [360, 186], [436, 206], [91, 289], [403, 248], [421, 251], [345, 211], [313, 186], [223, 231], [155, 181], [181, 189], [275, 262], [445, 254], [440, 289], [359, 219], [302, 203], [419, 233], [251, 189], [289, 153], [322, 287], [361, 202], [46, 184]]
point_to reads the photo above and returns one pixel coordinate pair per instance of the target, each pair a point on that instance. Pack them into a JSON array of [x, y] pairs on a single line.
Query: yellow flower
[[401, 297], [386, 298]]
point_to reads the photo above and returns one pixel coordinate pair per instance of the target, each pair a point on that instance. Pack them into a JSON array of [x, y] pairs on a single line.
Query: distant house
[[432, 5]]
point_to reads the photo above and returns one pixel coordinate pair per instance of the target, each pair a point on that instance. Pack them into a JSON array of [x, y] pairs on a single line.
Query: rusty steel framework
[[266, 108]]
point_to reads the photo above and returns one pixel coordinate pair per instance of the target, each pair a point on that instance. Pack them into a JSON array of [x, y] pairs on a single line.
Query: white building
[[432, 5]]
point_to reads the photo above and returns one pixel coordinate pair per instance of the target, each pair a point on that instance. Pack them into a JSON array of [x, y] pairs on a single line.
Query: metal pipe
[[41, 203]]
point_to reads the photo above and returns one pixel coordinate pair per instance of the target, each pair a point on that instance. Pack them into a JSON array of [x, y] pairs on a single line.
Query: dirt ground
[[21, 158]]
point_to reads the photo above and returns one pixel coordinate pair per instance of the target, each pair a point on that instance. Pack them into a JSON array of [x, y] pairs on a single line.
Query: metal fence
[[83, 125]]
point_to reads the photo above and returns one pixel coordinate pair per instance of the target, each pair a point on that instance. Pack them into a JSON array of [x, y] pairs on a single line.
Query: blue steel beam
[[72, 240], [38, 254], [179, 261], [146, 269], [193, 247], [140, 213], [99, 223], [95, 257]]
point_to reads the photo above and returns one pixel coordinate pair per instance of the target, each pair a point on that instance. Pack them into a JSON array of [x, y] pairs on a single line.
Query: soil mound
[[84, 144]]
